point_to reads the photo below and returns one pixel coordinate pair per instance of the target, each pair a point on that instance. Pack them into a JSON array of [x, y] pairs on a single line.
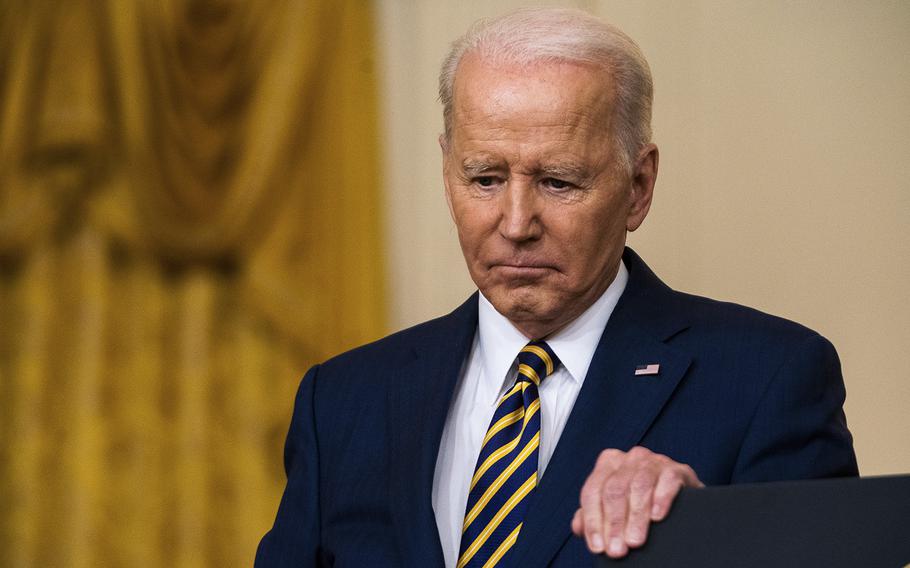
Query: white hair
[[563, 35]]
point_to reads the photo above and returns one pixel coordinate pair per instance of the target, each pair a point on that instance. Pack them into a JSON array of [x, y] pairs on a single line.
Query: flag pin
[[643, 370]]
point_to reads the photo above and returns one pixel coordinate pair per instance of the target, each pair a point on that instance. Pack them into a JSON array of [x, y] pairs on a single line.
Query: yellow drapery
[[188, 219]]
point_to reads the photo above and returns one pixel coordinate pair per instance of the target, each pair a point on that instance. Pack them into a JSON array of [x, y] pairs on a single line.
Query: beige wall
[[784, 131]]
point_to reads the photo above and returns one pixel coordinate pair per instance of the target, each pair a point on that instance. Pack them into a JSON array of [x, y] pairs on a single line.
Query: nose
[[520, 215]]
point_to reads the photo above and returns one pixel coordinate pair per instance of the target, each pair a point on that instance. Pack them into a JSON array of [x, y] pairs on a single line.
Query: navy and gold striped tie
[[506, 471]]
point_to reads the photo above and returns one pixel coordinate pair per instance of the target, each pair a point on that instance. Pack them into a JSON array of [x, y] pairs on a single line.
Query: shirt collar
[[499, 341]]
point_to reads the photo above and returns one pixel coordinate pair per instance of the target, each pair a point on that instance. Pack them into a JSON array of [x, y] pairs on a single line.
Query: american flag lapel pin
[[643, 370]]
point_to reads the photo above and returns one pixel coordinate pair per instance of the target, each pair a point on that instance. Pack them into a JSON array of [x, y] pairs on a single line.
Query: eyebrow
[[477, 167], [570, 170], [473, 167]]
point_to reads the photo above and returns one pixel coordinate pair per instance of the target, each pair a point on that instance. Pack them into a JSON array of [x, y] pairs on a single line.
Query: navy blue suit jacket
[[741, 396]]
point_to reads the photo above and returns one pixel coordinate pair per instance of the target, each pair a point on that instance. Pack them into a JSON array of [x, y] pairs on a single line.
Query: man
[[576, 393]]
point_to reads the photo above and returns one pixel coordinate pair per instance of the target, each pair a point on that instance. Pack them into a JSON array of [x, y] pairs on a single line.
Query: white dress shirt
[[489, 371]]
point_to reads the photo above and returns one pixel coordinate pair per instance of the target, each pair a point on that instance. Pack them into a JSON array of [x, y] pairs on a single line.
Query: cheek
[[587, 241], [474, 221]]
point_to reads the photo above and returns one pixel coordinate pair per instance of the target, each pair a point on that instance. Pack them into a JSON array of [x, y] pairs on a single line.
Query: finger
[[590, 501], [692, 479], [591, 514], [578, 525], [615, 503], [641, 492], [668, 486]]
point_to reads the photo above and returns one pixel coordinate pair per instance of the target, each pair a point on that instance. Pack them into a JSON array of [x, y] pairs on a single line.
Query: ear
[[444, 146], [644, 176]]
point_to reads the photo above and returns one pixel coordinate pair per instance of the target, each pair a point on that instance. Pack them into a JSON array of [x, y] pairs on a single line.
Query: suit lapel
[[614, 409], [418, 404]]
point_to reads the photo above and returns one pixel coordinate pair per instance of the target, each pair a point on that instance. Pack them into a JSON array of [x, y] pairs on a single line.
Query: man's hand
[[624, 493]]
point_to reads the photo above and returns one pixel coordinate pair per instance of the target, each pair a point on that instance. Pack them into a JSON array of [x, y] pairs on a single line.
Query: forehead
[[564, 101]]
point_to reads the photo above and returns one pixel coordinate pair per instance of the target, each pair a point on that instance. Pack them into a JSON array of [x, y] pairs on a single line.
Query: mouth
[[523, 271]]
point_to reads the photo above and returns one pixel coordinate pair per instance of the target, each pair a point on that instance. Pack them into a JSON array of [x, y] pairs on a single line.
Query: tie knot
[[536, 361]]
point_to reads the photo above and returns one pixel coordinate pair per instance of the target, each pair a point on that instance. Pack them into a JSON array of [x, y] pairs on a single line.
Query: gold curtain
[[188, 219]]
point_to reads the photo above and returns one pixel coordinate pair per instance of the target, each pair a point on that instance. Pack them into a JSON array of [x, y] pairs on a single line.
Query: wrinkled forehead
[[490, 92]]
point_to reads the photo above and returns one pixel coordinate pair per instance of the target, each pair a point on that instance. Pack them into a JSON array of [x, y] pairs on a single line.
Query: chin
[[524, 304]]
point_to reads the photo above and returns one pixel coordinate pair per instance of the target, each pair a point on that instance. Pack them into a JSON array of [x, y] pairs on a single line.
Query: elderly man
[[576, 393]]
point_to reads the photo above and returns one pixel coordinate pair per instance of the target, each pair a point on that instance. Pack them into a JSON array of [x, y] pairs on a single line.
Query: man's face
[[536, 189]]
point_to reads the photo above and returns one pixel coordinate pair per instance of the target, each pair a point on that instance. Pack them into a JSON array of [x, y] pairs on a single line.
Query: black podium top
[[832, 523]]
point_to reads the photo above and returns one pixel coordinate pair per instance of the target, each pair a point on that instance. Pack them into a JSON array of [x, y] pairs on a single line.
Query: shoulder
[[399, 348], [672, 312], [744, 337], [723, 338], [727, 317]]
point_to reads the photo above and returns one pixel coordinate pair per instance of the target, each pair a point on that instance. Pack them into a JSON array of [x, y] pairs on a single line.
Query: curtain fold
[[189, 218]]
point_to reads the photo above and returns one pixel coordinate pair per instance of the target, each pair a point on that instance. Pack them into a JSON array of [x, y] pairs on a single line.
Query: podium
[[855, 522]]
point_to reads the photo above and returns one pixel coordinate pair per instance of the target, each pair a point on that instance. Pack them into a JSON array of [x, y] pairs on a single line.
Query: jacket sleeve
[[294, 538], [799, 430]]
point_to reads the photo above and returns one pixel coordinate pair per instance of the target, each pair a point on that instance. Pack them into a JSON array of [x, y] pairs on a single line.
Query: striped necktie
[[506, 471]]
